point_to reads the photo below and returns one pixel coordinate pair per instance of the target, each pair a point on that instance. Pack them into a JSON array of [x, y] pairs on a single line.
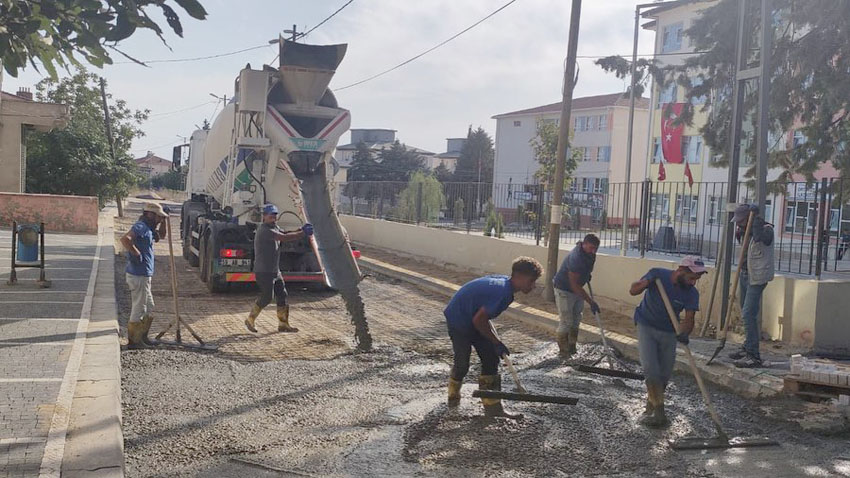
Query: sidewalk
[[747, 382], [52, 341]]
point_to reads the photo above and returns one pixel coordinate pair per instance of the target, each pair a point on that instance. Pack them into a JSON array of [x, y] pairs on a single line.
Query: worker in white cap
[[656, 336], [138, 242]]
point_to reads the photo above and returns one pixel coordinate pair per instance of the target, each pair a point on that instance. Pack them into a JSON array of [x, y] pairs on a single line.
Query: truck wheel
[[215, 282], [202, 258], [193, 259]]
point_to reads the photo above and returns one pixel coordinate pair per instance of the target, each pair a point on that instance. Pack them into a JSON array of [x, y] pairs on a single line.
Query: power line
[[182, 110], [428, 50], [199, 58], [302, 35]]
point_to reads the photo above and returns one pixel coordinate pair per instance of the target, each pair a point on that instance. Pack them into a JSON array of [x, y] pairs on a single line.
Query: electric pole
[[108, 123], [563, 139], [294, 33]]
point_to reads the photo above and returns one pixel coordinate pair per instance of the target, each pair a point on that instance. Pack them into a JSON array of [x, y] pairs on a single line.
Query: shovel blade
[[702, 443], [609, 372], [524, 397]]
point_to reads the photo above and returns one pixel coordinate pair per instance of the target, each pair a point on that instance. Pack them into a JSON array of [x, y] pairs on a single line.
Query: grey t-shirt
[[267, 249]]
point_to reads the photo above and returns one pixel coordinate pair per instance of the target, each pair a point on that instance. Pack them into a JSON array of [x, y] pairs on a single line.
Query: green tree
[[477, 151], [363, 168], [545, 148], [457, 211], [51, 33], [422, 188], [77, 159], [168, 180], [398, 163], [809, 63], [495, 223], [443, 174]]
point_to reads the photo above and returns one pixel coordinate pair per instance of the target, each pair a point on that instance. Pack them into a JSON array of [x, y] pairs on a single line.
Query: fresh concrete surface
[[745, 382]]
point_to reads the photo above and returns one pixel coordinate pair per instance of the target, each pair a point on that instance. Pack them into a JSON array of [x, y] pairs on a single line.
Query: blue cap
[[269, 209]]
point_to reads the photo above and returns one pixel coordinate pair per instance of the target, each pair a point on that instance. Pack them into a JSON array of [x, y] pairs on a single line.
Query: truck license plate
[[235, 262]]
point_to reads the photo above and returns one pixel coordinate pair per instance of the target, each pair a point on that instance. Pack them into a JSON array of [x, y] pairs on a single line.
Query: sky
[[512, 61]]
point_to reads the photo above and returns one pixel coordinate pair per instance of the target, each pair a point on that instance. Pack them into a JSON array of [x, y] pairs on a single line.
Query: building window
[[657, 152], [799, 138], [800, 217], [603, 154], [581, 123], [716, 208], [517, 123], [586, 185], [591, 123], [586, 156], [600, 185], [672, 37], [603, 122], [692, 149], [686, 208], [667, 95], [659, 206], [574, 185], [697, 100]]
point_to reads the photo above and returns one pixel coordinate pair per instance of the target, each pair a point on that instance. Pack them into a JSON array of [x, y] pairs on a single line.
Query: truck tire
[[215, 283], [193, 259], [202, 258]]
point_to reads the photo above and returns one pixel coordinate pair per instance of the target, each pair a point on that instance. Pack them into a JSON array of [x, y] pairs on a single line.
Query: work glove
[[166, 209], [683, 339], [594, 307], [307, 229], [502, 350]]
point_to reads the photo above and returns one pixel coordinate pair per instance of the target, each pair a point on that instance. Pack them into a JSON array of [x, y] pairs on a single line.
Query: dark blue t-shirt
[[494, 293], [143, 266], [576, 261], [651, 310]]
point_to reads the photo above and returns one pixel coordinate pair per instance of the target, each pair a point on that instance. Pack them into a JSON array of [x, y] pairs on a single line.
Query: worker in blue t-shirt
[[570, 295], [656, 336], [468, 317], [138, 242]]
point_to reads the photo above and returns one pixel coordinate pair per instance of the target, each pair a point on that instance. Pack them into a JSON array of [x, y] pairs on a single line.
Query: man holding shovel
[[468, 317], [656, 336], [570, 295], [757, 270]]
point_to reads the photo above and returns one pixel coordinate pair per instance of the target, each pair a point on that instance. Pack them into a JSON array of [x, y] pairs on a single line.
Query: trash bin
[[27, 247]]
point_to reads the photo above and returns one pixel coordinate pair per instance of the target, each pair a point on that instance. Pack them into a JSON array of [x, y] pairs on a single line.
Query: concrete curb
[[745, 382], [95, 442]]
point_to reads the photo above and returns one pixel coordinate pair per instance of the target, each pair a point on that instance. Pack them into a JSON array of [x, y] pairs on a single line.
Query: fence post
[[644, 217], [419, 204], [538, 231], [822, 227], [381, 200]]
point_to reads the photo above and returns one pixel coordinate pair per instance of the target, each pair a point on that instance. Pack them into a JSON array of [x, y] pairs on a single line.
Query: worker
[[757, 270], [267, 241], [656, 335], [468, 317], [138, 242], [570, 295]]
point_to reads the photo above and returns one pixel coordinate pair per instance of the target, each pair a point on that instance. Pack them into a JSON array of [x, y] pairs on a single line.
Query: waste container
[[27, 247]]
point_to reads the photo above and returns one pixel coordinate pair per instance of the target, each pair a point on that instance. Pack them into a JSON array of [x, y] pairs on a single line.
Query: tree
[[51, 33], [809, 62], [545, 147], [398, 163], [477, 151], [77, 159], [443, 174], [422, 198], [168, 180]]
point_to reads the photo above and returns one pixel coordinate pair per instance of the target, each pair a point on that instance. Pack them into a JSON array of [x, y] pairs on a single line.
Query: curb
[[745, 382], [95, 443]]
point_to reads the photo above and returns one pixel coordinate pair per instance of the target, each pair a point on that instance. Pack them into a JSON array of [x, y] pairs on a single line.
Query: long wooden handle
[[714, 282], [509, 363], [672, 315], [173, 271], [743, 254]]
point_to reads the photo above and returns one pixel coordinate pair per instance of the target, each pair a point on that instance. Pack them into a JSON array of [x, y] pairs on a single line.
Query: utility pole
[[294, 33], [108, 123], [563, 139]]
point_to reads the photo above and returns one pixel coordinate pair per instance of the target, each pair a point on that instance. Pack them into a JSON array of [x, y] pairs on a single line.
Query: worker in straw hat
[[138, 242], [656, 336]]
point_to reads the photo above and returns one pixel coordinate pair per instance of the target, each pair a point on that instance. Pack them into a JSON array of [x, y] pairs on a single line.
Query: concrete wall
[[795, 310], [76, 214]]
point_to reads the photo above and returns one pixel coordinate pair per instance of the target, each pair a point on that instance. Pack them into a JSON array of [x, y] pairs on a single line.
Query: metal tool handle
[[714, 283], [746, 243], [672, 315], [607, 348], [509, 363]]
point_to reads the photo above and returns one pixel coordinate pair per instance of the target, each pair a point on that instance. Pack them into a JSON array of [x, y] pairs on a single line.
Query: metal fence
[[664, 218]]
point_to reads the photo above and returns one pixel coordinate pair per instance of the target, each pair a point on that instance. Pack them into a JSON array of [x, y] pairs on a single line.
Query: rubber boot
[[564, 345], [659, 417], [493, 406], [646, 418], [252, 316], [283, 319], [454, 393], [147, 321], [647, 413], [572, 341], [134, 335]]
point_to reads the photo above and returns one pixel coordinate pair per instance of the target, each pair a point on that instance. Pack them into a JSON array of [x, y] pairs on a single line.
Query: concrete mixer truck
[[272, 143]]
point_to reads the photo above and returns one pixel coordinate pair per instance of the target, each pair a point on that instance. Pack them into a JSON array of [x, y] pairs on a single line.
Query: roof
[[11, 96], [151, 159], [380, 146], [583, 103], [449, 155], [653, 12]]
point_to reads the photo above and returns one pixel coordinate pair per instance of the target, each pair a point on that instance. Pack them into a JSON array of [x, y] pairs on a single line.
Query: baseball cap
[[155, 208], [694, 264], [742, 212], [270, 209]]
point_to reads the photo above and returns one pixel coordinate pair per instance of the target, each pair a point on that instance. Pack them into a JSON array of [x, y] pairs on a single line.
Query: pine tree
[[477, 150]]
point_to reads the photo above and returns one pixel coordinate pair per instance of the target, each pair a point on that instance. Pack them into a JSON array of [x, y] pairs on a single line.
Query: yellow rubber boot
[[564, 345], [493, 406], [134, 335], [147, 321], [252, 316], [454, 392], [573, 341], [283, 320]]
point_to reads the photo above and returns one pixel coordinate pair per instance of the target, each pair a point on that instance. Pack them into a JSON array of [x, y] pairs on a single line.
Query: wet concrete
[[382, 414]]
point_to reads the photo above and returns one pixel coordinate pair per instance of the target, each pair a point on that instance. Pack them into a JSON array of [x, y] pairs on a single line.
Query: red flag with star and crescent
[[662, 174], [671, 134]]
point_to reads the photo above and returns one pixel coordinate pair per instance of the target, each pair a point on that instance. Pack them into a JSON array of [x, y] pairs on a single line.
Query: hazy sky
[[512, 61]]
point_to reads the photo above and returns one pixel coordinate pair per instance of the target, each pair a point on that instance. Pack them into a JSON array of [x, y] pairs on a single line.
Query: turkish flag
[[689, 175], [662, 175], [671, 135]]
